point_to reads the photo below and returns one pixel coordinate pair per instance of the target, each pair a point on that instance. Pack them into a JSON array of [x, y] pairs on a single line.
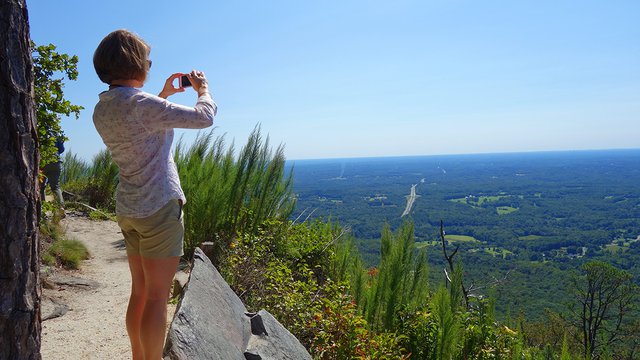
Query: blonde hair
[[122, 55]]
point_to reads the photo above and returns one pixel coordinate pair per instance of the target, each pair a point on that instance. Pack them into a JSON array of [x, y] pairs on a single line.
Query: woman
[[137, 128]]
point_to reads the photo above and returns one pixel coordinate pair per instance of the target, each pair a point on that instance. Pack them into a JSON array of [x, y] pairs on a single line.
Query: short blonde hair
[[122, 55]]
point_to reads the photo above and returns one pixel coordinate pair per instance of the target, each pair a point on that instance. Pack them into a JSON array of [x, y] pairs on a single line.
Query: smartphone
[[184, 81]]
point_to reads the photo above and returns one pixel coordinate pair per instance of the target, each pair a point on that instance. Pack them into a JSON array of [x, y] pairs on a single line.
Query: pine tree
[[19, 200]]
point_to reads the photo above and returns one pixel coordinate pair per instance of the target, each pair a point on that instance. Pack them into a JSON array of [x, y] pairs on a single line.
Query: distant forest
[[524, 222]]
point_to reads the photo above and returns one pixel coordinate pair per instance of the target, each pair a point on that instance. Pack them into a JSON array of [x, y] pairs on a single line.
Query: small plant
[[48, 259], [50, 221], [399, 282], [68, 253]]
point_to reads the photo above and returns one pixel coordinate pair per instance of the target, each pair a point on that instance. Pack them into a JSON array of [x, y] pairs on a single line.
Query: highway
[[410, 200]]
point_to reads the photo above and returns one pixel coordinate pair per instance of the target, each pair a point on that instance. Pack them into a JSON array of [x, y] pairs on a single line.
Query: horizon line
[[472, 153]]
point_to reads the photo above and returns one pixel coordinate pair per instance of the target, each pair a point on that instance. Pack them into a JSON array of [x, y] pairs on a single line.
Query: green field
[[488, 199], [460, 238], [449, 238], [503, 210]]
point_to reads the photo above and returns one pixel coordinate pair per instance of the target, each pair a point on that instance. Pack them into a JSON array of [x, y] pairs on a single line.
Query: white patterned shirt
[[137, 128]]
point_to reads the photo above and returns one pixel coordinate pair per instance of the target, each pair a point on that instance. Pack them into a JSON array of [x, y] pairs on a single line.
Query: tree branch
[[449, 258]]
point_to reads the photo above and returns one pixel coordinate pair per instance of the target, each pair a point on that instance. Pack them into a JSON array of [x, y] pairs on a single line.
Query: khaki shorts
[[157, 236]]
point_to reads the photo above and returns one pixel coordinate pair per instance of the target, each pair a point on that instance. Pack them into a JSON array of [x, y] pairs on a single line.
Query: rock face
[[212, 323], [270, 340]]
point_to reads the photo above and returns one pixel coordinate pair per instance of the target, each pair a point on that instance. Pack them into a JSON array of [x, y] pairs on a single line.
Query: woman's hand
[[198, 81], [169, 89]]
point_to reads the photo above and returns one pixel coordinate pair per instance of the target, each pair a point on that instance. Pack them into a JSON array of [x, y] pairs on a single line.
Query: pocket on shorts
[[180, 210]]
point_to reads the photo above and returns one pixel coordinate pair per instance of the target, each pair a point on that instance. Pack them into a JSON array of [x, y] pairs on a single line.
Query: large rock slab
[[212, 323], [209, 322]]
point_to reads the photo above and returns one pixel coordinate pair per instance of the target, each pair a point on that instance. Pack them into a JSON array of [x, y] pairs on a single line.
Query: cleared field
[[460, 238], [503, 210], [489, 199], [449, 238]]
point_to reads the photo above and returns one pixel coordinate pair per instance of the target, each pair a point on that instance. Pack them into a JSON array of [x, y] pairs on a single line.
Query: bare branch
[[449, 258]]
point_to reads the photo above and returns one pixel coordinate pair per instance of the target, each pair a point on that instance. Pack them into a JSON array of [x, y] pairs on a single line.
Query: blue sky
[[378, 78]]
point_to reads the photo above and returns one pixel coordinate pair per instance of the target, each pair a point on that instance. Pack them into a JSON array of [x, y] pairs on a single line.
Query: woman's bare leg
[[158, 276], [136, 306]]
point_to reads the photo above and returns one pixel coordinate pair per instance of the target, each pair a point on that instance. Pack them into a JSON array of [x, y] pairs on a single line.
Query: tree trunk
[[19, 198]]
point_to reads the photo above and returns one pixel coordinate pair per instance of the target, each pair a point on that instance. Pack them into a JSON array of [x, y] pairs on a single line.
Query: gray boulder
[[211, 322]]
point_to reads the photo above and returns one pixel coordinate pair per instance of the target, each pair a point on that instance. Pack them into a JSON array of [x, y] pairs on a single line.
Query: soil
[[88, 306]]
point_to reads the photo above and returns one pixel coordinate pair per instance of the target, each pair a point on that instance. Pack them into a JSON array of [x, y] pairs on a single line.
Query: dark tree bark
[[19, 198]]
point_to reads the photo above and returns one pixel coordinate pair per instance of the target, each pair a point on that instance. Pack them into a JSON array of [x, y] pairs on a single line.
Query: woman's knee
[[159, 275]]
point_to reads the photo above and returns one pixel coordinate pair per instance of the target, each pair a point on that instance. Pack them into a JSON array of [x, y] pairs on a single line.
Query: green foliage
[[444, 330], [50, 223], [348, 266], [447, 325], [395, 300], [420, 330], [565, 355], [308, 281], [68, 253], [228, 196], [74, 169], [49, 96], [103, 180], [399, 282], [485, 338], [56, 249], [340, 333], [549, 333], [286, 268], [48, 259], [280, 260], [94, 184]]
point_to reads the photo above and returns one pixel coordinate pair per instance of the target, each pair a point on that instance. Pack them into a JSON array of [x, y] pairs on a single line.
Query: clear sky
[[378, 78]]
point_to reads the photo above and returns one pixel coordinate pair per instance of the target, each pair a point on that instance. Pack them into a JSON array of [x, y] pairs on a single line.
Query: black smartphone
[[184, 81]]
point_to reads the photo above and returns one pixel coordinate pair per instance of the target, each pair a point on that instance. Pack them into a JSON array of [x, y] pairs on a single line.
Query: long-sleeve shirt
[[137, 128]]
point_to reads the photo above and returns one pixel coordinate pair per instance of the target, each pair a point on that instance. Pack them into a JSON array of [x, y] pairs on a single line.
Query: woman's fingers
[[197, 79], [169, 87]]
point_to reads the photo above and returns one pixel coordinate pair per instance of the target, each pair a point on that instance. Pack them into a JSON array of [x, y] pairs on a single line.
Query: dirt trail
[[94, 326]]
